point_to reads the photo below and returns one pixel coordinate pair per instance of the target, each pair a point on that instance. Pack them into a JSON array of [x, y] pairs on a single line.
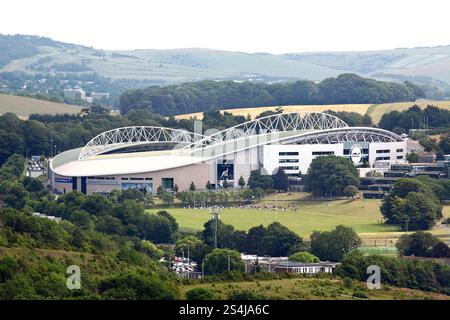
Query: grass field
[[312, 289], [24, 106], [361, 214], [374, 110]]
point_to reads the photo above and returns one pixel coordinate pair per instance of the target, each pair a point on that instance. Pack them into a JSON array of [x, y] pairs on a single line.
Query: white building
[[145, 158], [75, 94]]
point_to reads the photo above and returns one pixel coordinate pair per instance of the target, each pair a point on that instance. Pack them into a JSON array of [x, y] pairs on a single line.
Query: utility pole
[[215, 215], [276, 207], [189, 265]]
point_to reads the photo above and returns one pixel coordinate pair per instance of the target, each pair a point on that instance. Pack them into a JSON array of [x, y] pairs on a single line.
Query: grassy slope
[[24, 106], [312, 288], [374, 110], [362, 214]]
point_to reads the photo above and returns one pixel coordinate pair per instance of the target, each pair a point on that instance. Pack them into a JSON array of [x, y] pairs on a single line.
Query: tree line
[[415, 117], [203, 95]]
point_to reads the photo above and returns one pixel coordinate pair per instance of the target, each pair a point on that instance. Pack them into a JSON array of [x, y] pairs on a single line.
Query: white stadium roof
[[295, 127]]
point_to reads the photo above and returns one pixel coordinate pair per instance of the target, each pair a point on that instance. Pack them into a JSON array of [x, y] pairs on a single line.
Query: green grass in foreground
[[362, 215], [313, 288]]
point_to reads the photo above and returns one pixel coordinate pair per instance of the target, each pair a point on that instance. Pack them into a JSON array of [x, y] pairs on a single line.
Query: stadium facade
[[145, 157]]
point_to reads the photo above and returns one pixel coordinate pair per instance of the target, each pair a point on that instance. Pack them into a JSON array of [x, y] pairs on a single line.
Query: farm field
[[311, 289], [24, 106], [376, 111], [361, 214]]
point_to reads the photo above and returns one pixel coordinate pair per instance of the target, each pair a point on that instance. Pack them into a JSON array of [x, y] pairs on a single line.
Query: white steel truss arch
[[290, 121], [137, 135], [350, 134]]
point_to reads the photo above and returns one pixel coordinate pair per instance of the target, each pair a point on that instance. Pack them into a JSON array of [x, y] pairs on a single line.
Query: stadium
[[145, 157]]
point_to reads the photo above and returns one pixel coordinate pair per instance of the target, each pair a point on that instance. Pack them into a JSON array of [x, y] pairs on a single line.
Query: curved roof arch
[[350, 134], [282, 122], [328, 136], [137, 135]]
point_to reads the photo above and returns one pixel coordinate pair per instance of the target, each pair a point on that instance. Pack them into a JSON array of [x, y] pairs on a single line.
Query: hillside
[[312, 289], [24, 106], [31, 54], [205, 95], [374, 110]]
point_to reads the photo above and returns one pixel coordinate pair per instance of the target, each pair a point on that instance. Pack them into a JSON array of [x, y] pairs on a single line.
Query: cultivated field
[[313, 288], [374, 110], [24, 106]]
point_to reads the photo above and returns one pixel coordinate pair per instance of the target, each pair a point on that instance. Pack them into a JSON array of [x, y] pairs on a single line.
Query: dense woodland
[[203, 95]]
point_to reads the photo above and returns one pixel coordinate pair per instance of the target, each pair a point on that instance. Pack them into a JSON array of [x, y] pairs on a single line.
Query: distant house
[[75, 94], [304, 268], [96, 96]]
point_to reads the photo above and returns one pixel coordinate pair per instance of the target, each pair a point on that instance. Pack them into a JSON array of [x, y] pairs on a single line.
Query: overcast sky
[[275, 26]]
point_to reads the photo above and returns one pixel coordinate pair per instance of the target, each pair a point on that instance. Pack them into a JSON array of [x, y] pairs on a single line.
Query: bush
[[199, 294], [359, 294]]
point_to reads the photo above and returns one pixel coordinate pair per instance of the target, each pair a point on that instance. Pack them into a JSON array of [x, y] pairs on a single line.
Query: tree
[[444, 144], [225, 184], [255, 237], [280, 241], [440, 250], [304, 256], [167, 197], [412, 157], [208, 185], [170, 218], [225, 234], [418, 244], [192, 186], [96, 205], [221, 260], [260, 181], [241, 182], [330, 175], [175, 188], [197, 248], [411, 204], [280, 180], [134, 286], [151, 249], [350, 191], [335, 244]]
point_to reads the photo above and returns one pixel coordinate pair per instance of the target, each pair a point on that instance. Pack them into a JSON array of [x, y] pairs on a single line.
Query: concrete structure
[[75, 94], [145, 158], [96, 96], [304, 268]]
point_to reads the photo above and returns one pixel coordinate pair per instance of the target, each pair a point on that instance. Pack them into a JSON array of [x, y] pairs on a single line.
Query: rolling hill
[[31, 54], [374, 110], [24, 106]]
